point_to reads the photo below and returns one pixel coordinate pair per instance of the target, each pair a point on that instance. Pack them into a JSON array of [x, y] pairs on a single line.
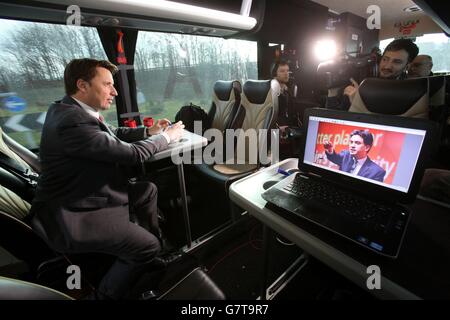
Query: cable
[[227, 255], [251, 242]]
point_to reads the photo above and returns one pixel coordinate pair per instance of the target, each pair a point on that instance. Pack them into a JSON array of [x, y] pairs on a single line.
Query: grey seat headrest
[[256, 90]]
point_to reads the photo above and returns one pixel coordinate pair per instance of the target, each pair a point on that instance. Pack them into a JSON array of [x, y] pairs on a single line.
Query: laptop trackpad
[[313, 211]]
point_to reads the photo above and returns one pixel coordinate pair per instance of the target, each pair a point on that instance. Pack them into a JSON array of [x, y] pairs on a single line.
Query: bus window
[[173, 70], [32, 60], [437, 45]]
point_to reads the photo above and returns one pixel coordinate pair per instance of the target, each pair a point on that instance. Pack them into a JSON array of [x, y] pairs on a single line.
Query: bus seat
[[437, 90], [447, 88], [27, 242], [18, 238], [19, 169], [447, 97], [24, 155], [16, 234], [15, 194], [258, 110], [17, 180], [196, 285], [408, 98], [435, 185], [12, 289], [225, 102], [438, 107]]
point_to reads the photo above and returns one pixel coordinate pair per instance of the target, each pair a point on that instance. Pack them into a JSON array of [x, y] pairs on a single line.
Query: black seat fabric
[[11, 182], [16, 195], [408, 98], [447, 89], [225, 102], [19, 239], [197, 285], [437, 90], [11, 289], [438, 106]]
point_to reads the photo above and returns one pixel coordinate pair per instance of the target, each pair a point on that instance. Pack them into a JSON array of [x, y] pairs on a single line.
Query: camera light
[[325, 49]]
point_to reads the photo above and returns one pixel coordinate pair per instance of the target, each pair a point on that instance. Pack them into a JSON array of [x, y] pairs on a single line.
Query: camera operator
[[287, 114], [393, 65]]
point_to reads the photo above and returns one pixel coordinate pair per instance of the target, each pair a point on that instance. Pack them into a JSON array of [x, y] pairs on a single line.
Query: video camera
[[337, 73]]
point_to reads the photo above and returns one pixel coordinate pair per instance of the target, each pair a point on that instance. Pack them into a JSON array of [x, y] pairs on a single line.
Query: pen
[[169, 124], [283, 172]]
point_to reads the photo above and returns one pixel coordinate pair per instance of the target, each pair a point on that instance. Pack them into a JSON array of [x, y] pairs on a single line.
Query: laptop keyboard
[[375, 225], [378, 220], [343, 201]]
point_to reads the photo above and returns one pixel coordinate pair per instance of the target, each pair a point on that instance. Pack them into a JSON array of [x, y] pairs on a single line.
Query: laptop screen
[[380, 154]]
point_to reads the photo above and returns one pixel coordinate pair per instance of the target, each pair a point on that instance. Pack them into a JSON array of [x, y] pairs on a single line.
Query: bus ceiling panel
[[159, 15], [438, 11], [58, 15]]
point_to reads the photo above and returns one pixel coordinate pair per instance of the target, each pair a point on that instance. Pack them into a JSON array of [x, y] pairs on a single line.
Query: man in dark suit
[[355, 160], [83, 196]]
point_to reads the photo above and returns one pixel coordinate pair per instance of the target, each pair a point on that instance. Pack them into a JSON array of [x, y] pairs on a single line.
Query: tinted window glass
[[173, 70], [32, 61]]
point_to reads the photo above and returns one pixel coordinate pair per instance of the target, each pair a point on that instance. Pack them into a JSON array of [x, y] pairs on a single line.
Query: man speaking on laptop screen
[[379, 154], [355, 160]]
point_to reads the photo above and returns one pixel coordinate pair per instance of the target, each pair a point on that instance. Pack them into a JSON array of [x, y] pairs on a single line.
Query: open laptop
[[357, 172]]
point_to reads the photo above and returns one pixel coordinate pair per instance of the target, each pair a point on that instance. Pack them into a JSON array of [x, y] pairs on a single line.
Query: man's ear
[[82, 85]]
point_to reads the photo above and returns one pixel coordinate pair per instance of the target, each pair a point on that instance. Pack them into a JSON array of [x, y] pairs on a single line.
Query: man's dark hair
[[83, 69], [365, 135], [275, 66], [403, 44]]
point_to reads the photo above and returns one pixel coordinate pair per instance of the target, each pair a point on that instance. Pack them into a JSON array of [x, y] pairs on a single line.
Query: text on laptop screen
[[383, 155]]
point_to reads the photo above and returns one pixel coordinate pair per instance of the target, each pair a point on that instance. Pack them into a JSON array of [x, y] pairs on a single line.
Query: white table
[[397, 276]]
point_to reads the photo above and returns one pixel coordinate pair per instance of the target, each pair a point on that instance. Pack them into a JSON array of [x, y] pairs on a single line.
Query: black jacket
[[81, 195]]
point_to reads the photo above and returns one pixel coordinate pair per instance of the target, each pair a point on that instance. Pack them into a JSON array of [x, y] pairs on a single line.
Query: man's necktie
[[354, 162], [102, 120]]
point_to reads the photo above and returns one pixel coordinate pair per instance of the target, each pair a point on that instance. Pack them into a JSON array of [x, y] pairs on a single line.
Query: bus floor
[[234, 261]]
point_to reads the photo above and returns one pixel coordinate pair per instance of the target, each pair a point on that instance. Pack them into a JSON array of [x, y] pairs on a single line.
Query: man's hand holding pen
[[173, 130], [158, 127]]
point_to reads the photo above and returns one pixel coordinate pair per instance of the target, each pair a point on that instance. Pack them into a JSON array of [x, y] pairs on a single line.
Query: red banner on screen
[[385, 151]]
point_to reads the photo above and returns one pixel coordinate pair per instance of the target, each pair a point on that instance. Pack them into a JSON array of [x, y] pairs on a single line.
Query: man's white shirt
[[96, 115]]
